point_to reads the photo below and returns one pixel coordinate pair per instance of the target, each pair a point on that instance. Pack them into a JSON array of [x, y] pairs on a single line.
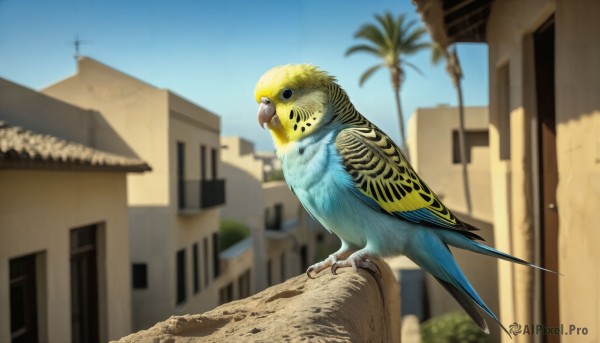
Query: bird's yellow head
[[292, 101]]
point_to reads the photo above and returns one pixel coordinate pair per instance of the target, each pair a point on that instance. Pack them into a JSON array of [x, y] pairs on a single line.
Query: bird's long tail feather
[[465, 243], [432, 254]]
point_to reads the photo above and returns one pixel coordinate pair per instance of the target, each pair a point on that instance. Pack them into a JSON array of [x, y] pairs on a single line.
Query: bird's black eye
[[287, 93]]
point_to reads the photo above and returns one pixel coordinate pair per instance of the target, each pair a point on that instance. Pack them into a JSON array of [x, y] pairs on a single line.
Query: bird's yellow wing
[[385, 180]]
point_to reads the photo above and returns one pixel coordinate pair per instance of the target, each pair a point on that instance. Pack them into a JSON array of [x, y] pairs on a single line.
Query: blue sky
[[213, 52]]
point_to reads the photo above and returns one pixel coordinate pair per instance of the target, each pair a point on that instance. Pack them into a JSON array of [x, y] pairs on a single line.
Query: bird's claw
[[309, 271], [355, 264], [334, 268]]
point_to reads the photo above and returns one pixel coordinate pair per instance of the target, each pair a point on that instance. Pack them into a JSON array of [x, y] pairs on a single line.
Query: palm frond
[[389, 27], [412, 39], [368, 73], [363, 48], [414, 67], [371, 33]]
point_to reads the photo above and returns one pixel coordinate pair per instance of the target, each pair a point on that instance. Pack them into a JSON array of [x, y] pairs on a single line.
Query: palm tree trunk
[[396, 81], [462, 146], [403, 145]]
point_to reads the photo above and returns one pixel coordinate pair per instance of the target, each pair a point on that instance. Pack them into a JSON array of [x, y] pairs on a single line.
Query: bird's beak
[[266, 112]]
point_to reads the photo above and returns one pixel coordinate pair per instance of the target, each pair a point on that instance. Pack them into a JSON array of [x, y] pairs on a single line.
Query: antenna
[[77, 44]]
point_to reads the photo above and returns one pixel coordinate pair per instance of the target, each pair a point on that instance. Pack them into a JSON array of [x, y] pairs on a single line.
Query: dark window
[[140, 276], [180, 276], [23, 303], [282, 267], [244, 285], [473, 138], [274, 221], [226, 293], [303, 257], [195, 263], [181, 174], [202, 162], [269, 273], [84, 285], [206, 264], [214, 162], [216, 260]]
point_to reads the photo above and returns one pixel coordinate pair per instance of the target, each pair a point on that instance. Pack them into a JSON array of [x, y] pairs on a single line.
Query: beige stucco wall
[[137, 113], [578, 153], [245, 198], [21, 106], [37, 211], [578, 123]]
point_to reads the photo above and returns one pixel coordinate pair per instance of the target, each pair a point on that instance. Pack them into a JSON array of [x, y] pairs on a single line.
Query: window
[[274, 221], [269, 273], [504, 111], [180, 276], [473, 138], [282, 267], [206, 265], [181, 174], [23, 302], [195, 263], [214, 162], [140, 276], [202, 162], [226, 293], [216, 260], [244, 285]]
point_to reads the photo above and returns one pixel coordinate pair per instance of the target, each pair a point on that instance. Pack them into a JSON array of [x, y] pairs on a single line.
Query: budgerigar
[[353, 179]]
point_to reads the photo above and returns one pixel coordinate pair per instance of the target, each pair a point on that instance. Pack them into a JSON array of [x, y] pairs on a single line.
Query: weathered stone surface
[[349, 307]]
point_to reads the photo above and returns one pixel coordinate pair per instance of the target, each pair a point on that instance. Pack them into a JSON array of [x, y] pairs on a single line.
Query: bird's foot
[[357, 261], [328, 262]]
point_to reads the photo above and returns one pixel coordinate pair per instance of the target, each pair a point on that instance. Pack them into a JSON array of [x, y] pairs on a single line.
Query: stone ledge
[[348, 307]]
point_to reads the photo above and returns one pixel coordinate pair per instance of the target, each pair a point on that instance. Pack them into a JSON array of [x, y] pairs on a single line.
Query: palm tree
[[454, 70], [391, 41]]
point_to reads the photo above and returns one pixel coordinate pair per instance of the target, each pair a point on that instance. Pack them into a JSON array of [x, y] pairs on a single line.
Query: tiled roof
[[26, 149]]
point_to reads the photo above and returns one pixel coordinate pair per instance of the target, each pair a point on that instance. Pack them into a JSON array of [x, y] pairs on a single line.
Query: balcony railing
[[212, 193], [194, 195]]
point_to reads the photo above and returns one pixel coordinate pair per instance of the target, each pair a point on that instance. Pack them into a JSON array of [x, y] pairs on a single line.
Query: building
[[284, 238], [64, 238], [174, 210], [544, 150], [435, 154]]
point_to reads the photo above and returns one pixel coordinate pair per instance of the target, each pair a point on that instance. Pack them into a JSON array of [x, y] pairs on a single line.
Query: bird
[[351, 177]]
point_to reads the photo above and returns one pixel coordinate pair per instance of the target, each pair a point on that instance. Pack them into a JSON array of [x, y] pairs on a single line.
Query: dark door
[[544, 71], [23, 304], [84, 285]]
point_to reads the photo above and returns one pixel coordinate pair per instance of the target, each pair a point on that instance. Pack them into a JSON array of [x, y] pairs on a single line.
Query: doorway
[[23, 302], [84, 285], [544, 56]]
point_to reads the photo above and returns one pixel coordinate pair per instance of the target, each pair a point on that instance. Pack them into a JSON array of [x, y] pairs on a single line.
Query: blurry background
[[135, 183]]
